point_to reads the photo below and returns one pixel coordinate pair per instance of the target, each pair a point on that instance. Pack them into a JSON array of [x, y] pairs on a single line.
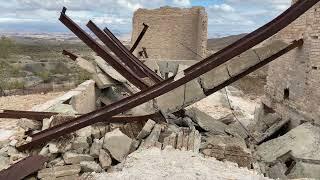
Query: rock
[[206, 122], [28, 124], [118, 144], [105, 159], [73, 158], [153, 138], [146, 130], [4, 162], [90, 166], [80, 145], [84, 132], [13, 143], [56, 162], [170, 141], [85, 101], [44, 151], [53, 148], [59, 171], [300, 140], [96, 147]]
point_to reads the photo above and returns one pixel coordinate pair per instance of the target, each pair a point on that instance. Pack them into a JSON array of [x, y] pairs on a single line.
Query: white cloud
[[223, 7], [182, 2]]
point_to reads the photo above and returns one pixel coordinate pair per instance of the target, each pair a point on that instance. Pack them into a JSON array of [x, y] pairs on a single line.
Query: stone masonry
[[173, 34], [294, 79]]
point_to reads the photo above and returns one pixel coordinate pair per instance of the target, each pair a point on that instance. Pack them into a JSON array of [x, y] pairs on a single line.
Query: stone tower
[[293, 83], [173, 34]]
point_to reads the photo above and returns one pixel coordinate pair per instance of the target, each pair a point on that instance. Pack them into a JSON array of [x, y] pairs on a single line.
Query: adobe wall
[[173, 34], [293, 83]]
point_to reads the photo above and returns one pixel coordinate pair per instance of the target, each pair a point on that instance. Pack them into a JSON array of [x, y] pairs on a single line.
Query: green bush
[[44, 75], [5, 45]]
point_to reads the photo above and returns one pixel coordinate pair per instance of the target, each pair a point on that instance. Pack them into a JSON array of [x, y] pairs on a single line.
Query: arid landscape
[[176, 100]]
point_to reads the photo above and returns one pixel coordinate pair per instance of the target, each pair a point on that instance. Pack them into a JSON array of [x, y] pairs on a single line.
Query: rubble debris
[[96, 147], [228, 148], [28, 124], [152, 139], [74, 158], [59, 171], [300, 140], [146, 130], [104, 159], [118, 144], [206, 122], [90, 166]]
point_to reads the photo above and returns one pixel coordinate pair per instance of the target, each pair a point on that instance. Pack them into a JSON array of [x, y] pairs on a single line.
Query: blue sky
[[226, 17]]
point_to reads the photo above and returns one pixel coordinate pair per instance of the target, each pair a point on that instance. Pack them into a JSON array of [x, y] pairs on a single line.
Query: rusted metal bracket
[[154, 76], [69, 54], [23, 168], [161, 88], [115, 63], [143, 32]]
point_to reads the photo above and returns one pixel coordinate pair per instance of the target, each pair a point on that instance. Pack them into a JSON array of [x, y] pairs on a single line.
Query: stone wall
[[293, 83], [174, 33]]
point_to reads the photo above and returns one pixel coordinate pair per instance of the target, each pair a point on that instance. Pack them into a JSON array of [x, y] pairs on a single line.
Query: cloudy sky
[[226, 17]]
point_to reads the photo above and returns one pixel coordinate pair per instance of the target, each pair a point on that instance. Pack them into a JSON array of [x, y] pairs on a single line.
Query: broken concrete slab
[[236, 129], [206, 122], [277, 171], [118, 144], [86, 65], [300, 140], [105, 159], [242, 62], [109, 70], [146, 130], [74, 158], [171, 101], [85, 101], [214, 77], [193, 92], [103, 81], [4, 162], [59, 171], [259, 138], [269, 49], [90, 166]]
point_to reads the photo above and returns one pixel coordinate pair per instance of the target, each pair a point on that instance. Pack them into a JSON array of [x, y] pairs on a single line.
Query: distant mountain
[[215, 44]]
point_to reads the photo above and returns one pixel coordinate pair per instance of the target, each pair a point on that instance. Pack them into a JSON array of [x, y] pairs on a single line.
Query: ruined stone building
[[293, 84], [173, 34]]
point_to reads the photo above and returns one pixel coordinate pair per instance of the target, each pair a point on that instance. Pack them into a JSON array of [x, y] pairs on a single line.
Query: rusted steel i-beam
[[69, 54], [290, 47], [12, 114], [161, 88], [134, 59], [23, 168], [115, 63], [143, 32], [114, 48]]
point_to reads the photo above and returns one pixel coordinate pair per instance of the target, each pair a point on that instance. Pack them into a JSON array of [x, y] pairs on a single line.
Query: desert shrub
[[44, 75], [5, 45]]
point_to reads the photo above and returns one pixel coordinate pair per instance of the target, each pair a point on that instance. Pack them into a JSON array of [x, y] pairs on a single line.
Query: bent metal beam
[[161, 88]]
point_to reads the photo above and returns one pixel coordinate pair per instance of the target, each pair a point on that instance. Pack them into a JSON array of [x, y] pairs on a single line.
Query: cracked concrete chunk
[[206, 122], [96, 147], [146, 130], [90, 166], [28, 124], [85, 101], [193, 92], [80, 144], [59, 171], [301, 140], [242, 62], [4, 162], [105, 159], [171, 101], [215, 77], [118, 144], [227, 148], [304, 170], [153, 138], [74, 158], [270, 49]]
